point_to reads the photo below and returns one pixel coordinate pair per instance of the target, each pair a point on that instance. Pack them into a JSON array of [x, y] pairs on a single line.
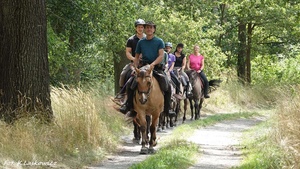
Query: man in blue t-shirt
[[151, 49]]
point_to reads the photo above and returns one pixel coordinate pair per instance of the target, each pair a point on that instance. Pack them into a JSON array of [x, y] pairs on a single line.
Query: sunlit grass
[[275, 143], [84, 130], [177, 154], [288, 125], [260, 148]]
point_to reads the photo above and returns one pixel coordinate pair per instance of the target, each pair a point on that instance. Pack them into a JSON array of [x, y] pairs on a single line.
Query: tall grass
[[288, 126], [84, 130], [275, 143]]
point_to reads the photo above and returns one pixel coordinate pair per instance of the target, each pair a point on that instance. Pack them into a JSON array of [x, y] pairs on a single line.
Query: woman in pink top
[[196, 62]]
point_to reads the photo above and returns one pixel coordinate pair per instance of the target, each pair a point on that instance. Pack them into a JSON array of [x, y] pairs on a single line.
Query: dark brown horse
[[148, 100], [197, 99], [171, 119], [180, 96]]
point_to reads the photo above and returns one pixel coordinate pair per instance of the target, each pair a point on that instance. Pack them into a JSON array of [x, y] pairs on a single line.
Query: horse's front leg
[[143, 128], [152, 142], [184, 110], [200, 106], [197, 109], [136, 131], [192, 108]]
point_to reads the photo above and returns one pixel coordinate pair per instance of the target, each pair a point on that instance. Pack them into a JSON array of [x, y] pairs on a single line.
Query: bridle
[[144, 94], [150, 84]]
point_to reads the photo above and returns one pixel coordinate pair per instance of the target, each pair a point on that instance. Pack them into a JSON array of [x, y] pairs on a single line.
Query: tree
[[24, 71]]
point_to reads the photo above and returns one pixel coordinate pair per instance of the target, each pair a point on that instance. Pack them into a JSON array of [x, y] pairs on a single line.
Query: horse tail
[[215, 82]]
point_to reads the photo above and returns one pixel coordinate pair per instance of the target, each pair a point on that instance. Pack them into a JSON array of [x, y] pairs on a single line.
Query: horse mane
[[142, 73]]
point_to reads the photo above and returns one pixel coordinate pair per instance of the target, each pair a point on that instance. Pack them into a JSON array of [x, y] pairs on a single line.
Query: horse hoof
[[151, 150], [144, 150]]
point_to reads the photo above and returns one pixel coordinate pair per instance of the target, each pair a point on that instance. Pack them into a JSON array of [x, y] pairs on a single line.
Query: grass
[[179, 153], [84, 130], [176, 155], [260, 149], [275, 143]]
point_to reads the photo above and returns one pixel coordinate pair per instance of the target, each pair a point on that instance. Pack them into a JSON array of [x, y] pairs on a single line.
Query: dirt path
[[219, 144]]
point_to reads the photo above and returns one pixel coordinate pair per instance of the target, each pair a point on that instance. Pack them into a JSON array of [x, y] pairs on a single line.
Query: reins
[[149, 89]]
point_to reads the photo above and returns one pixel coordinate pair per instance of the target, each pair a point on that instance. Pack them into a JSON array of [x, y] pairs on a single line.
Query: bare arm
[[183, 63], [136, 59], [188, 64], [172, 66], [202, 67], [129, 53], [159, 58]]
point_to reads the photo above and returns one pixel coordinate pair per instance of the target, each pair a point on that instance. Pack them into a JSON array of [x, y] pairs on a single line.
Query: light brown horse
[[148, 100]]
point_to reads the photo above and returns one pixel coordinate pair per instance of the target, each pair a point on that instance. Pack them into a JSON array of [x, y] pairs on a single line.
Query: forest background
[[256, 40]]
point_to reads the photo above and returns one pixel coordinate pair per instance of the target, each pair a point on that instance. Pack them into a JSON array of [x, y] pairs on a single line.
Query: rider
[[130, 53], [152, 50], [180, 65], [196, 62], [171, 63]]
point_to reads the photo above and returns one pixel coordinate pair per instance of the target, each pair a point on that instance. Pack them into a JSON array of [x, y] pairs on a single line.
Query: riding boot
[[167, 101], [206, 85], [206, 91], [128, 105]]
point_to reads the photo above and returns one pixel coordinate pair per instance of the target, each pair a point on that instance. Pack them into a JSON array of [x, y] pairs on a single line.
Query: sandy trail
[[219, 146]]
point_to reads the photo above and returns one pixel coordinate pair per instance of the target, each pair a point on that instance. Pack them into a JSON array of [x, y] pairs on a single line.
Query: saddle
[[162, 80], [194, 75]]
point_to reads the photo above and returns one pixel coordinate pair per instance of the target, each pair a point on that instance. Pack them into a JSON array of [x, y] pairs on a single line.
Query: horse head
[[144, 82]]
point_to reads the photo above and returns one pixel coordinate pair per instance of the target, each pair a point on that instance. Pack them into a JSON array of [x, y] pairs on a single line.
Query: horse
[[198, 93], [148, 100], [180, 96], [171, 119], [121, 98]]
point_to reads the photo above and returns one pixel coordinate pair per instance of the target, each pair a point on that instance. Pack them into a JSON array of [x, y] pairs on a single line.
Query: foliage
[[83, 40]]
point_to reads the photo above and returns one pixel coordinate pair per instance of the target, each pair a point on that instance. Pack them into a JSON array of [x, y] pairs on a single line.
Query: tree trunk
[[248, 56], [24, 69], [242, 51], [119, 63]]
